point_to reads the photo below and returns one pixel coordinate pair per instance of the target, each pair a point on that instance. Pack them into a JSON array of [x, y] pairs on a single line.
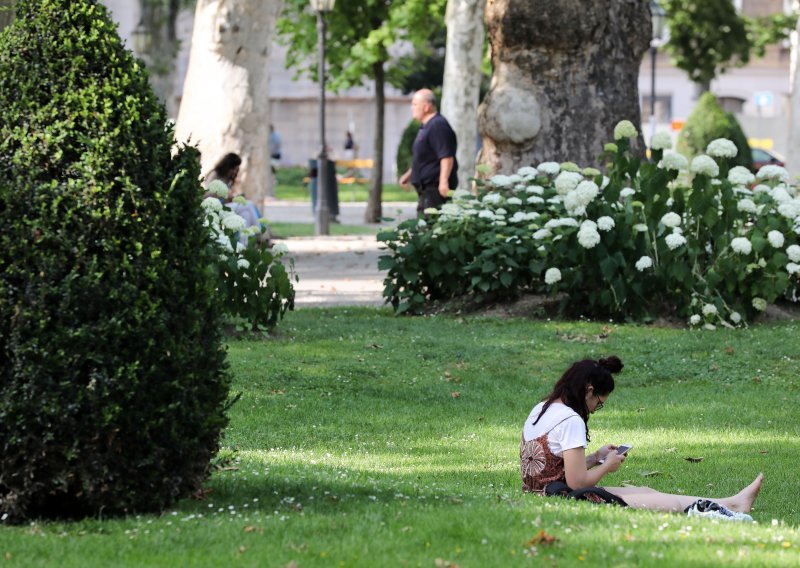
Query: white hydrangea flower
[[722, 148], [514, 201], [462, 195], [644, 263], [243, 263], [518, 217], [640, 228], [555, 200], [739, 175], [431, 211], [234, 222], [774, 173], [675, 240], [790, 209], [500, 180], [793, 268], [742, 190], [674, 161], [486, 214], [705, 165], [588, 237], [549, 168], [527, 172], [451, 210], [567, 181], [542, 234], [218, 188], [627, 192], [500, 212], [240, 247], [709, 310], [211, 204], [561, 222], [760, 304], [605, 223], [780, 195], [552, 276], [793, 252], [661, 141], [588, 190], [605, 182], [695, 319], [775, 238], [746, 205], [280, 248], [492, 198], [741, 245], [532, 215], [422, 223], [535, 189], [762, 188], [625, 129], [736, 318], [534, 200], [709, 326], [671, 219], [224, 242]]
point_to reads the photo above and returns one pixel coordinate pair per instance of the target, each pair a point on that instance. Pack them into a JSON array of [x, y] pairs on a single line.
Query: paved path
[[337, 271]]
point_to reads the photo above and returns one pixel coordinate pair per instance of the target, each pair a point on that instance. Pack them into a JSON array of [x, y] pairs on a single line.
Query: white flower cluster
[[625, 129], [775, 239], [527, 173], [722, 148], [793, 252], [549, 168], [588, 237], [674, 161], [747, 206], [627, 192], [567, 181], [675, 240], [739, 175], [644, 263], [705, 165], [773, 172], [741, 245], [671, 219], [605, 223], [552, 276], [561, 222], [661, 141], [576, 200]]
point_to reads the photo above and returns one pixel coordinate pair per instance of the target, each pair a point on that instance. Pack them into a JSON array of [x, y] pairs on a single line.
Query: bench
[[356, 164]]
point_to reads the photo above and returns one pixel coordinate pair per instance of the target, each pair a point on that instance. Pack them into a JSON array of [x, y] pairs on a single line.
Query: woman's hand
[[603, 452], [613, 461]]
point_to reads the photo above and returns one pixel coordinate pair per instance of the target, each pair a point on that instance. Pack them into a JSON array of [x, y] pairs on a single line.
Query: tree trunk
[[6, 12], [374, 211], [462, 79], [793, 148], [225, 105], [565, 72]]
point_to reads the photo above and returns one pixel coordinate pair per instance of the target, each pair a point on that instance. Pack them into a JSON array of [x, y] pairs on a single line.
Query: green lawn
[[364, 439], [287, 230], [291, 187]]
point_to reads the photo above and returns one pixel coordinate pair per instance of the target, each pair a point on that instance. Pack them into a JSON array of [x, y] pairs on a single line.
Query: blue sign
[[763, 98]]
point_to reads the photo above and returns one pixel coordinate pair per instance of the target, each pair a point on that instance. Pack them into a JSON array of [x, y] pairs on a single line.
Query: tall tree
[[705, 38], [6, 12], [361, 34], [225, 106], [793, 161], [565, 72], [462, 79]]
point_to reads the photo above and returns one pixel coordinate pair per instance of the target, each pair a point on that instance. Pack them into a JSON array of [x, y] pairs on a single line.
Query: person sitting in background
[[555, 436]]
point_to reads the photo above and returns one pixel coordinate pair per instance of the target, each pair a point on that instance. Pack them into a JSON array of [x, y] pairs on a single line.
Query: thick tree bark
[[793, 147], [462, 79], [374, 210], [565, 72], [225, 105]]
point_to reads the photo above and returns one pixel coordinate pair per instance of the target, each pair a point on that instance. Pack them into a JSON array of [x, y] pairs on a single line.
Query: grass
[[291, 187], [363, 439], [288, 230]]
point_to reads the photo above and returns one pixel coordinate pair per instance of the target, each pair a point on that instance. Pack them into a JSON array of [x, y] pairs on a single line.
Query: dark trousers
[[429, 196]]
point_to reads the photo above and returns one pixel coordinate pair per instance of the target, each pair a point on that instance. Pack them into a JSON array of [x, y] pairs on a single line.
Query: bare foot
[[743, 501]]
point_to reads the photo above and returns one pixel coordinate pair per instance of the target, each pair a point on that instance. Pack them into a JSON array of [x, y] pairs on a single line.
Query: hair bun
[[612, 363]]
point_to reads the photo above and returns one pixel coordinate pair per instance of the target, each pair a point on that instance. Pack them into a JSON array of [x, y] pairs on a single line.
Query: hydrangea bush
[[255, 286], [697, 240]]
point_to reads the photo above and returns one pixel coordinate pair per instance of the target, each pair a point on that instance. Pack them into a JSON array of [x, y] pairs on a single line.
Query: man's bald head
[[423, 105]]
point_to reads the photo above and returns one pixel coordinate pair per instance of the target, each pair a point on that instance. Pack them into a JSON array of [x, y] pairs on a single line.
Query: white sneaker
[[709, 509]]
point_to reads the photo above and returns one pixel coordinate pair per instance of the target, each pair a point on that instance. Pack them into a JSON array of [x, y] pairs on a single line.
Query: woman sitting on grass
[[555, 437]]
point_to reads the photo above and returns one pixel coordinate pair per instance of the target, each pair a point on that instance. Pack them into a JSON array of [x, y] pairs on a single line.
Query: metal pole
[[323, 218], [653, 53]]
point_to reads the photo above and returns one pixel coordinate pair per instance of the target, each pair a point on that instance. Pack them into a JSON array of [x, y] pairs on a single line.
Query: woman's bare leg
[[646, 498]]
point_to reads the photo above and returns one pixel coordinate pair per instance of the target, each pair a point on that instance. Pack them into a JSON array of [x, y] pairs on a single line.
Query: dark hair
[[225, 168], [571, 387]]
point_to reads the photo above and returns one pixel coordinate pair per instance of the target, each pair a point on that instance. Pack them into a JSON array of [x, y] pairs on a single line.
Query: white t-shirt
[[565, 426]]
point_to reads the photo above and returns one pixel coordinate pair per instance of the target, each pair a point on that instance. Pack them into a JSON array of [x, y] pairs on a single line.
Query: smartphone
[[623, 449]]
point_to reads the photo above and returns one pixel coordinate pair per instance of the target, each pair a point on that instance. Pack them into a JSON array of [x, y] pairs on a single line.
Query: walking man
[[434, 170]]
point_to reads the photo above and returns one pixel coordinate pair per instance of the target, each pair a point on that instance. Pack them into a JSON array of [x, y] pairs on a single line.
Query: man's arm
[[405, 178], [445, 167]]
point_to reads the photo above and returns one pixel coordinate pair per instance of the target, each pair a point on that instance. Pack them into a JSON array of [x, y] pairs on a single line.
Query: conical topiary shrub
[[112, 375], [707, 122]]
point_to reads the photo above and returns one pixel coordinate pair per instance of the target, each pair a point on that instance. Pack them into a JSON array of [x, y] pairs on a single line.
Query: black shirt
[[435, 140]]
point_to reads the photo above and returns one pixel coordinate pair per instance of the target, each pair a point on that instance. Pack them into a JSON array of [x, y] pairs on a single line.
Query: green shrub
[[403, 160], [708, 122], [637, 244], [113, 381]]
